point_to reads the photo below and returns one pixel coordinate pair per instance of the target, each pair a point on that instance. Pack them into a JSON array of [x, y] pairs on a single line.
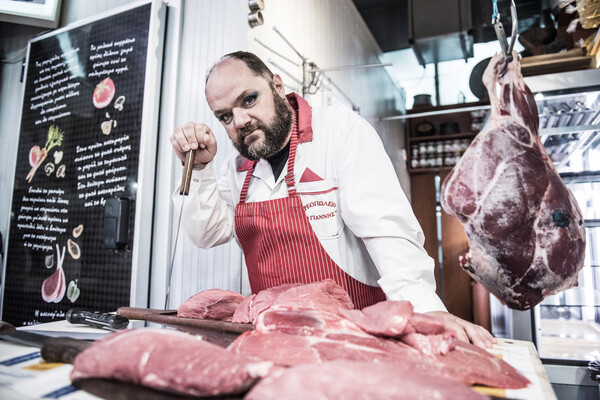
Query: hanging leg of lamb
[[526, 233]]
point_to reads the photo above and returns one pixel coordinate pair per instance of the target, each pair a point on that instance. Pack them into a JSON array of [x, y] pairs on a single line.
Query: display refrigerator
[[565, 327]]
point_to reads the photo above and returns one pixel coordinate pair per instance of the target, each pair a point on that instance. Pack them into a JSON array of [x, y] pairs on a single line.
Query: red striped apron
[[280, 245]]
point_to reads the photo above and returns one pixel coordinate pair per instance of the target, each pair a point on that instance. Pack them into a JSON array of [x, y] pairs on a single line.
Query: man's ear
[[278, 84]]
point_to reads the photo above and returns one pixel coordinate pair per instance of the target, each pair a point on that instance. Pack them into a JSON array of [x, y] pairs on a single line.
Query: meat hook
[[501, 34]]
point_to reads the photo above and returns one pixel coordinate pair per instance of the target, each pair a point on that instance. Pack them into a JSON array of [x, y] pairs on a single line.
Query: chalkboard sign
[[78, 165]]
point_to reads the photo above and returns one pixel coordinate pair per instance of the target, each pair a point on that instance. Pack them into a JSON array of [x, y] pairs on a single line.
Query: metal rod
[[286, 73], [354, 106], [277, 53], [428, 113], [580, 177], [584, 142], [515, 25], [288, 43], [437, 84], [351, 67], [563, 130]]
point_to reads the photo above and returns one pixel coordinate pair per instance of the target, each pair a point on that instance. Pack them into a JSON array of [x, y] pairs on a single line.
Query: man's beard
[[275, 133]]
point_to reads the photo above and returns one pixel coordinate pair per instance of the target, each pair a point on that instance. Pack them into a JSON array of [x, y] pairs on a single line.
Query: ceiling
[[388, 20]]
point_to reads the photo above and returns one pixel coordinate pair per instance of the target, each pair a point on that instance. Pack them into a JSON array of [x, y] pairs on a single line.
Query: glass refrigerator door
[[568, 323]]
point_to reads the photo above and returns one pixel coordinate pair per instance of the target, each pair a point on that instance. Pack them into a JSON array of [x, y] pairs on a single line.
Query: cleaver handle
[[52, 349], [142, 313], [63, 349]]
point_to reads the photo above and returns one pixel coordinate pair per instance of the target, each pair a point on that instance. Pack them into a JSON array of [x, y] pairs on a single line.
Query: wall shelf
[[436, 138]]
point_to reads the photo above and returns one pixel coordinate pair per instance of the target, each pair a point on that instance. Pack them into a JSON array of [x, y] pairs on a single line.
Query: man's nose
[[240, 118]]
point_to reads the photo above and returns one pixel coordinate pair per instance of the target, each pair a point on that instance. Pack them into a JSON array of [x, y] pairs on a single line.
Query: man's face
[[253, 110]]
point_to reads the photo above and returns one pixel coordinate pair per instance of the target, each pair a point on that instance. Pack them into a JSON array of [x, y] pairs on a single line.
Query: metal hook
[[501, 35]]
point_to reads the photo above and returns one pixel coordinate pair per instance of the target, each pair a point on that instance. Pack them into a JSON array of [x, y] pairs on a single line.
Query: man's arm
[[375, 208], [206, 218]]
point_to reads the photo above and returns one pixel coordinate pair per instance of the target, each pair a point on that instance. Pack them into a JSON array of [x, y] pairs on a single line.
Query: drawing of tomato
[[104, 93], [34, 155]]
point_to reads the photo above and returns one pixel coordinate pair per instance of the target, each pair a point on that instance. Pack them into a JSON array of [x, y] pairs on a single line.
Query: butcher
[[311, 195]]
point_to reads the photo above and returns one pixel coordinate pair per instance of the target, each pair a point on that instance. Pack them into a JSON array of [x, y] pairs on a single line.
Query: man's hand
[[465, 330], [194, 136]]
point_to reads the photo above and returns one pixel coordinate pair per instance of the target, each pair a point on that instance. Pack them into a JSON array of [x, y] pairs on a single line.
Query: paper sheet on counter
[[24, 375], [523, 357]]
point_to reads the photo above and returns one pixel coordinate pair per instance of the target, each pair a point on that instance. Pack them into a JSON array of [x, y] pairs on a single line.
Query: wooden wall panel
[[454, 285], [423, 204]]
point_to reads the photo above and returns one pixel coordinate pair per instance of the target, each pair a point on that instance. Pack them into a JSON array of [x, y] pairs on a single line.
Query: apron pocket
[[320, 200]]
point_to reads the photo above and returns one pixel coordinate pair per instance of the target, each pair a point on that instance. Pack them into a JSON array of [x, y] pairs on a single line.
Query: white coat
[[352, 198]]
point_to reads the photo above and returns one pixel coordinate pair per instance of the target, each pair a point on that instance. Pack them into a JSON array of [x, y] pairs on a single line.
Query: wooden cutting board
[[169, 317]]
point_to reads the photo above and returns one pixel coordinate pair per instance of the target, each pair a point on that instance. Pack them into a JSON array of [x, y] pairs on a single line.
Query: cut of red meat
[[242, 312], [432, 345], [217, 304], [322, 295], [279, 348], [168, 360], [525, 230], [425, 324], [305, 322], [396, 319], [473, 365], [288, 337], [286, 349], [311, 336], [265, 299], [386, 318], [349, 380]]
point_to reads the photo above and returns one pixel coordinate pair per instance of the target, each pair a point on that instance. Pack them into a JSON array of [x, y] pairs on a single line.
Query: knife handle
[[63, 349], [186, 177], [142, 313], [97, 319], [6, 327]]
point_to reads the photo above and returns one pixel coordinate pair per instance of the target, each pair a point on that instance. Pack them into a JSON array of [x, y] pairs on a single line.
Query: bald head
[[254, 64]]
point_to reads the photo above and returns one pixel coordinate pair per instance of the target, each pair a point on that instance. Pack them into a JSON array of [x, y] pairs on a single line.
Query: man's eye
[[225, 118], [251, 99]]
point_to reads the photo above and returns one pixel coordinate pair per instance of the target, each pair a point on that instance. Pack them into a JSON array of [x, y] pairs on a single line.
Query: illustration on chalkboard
[[77, 230], [73, 291], [37, 155], [49, 261], [107, 126], [103, 93], [119, 103], [49, 169], [53, 288], [73, 249]]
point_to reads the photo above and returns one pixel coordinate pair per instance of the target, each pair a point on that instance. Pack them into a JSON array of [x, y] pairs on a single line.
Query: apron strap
[[244, 191], [289, 178]]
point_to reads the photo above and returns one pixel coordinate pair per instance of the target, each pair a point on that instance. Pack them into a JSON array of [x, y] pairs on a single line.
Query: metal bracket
[[507, 47]]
